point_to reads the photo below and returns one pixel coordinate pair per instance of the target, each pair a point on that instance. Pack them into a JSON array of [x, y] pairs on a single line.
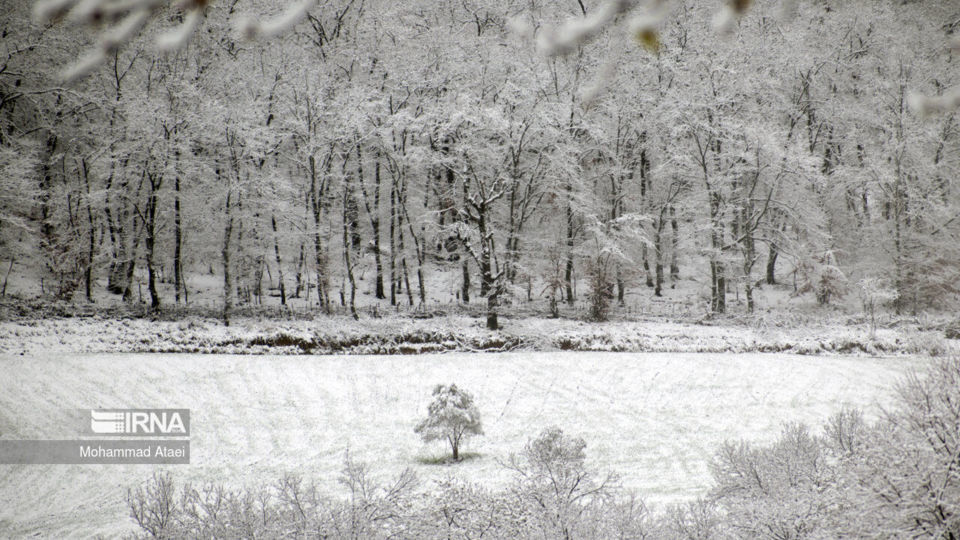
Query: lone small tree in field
[[451, 416]]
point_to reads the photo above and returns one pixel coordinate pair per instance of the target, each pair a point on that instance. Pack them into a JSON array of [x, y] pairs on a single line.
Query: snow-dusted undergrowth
[[398, 335]]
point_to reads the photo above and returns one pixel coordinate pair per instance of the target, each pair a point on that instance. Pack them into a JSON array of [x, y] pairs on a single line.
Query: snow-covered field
[[654, 418]]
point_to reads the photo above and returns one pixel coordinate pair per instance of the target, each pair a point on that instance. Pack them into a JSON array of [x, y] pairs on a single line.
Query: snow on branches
[[123, 20]]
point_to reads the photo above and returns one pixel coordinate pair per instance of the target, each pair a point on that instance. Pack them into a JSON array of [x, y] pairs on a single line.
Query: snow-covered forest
[[483, 153], [695, 266]]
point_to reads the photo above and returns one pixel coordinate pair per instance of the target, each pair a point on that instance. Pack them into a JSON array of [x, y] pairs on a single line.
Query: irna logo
[[140, 422]]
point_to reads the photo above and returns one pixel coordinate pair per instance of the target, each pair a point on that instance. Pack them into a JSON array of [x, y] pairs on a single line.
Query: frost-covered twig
[[926, 106], [124, 19], [251, 28], [180, 36], [580, 30]]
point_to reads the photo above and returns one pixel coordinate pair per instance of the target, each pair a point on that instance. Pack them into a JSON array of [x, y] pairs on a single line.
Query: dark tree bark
[[276, 253], [374, 215], [153, 199], [351, 208], [488, 284], [347, 259], [658, 256], [225, 254], [317, 190], [131, 260], [418, 244], [477, 211], [91, 234], [772, 256], [178, 282], [465, 269], [568, 264], [718, 297], [299, 277], [674, 245], [392, 267]]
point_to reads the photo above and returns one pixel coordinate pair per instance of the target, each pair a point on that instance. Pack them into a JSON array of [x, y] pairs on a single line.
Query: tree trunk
[[151, 228], [316, 209], [122, 240], [674, 246], [299, 278], [118, 264], [658, 258], [406, 282], [6, 278], [227, 281], [568, 265], [717, 270], [375, 223], [772, 255], [394, 218], [465, 283], [47, 239], [465, 270], [488, 281], [418, 246], [276, 253], [621, 286], [899, 207], [92, 235], [646, 266], [178, 282], [347, 259], [131, 262], [492, 322], [241, 281], [351, 209], [374, 215]]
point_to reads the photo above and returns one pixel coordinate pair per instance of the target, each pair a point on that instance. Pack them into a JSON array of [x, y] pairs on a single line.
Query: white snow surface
[[656, 419]]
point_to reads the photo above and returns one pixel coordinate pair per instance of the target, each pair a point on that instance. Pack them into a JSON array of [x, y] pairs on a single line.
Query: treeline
[[417, 140], [896, 478]]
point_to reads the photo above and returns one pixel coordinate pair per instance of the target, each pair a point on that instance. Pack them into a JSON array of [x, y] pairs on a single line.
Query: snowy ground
[[654, 418]]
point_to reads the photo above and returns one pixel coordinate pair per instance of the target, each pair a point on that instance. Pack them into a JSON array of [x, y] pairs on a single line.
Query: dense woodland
[[432, 145]]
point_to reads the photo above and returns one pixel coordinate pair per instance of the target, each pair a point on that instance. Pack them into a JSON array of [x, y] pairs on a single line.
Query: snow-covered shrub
[[373, 508], [289, 508], [154, 507], [874, 293], [562, 496], [846, 433], [601, 287], [898, 478], [914, 471], [697, 520], [460, 509], [774, 491], [553, 279], [952, 331], [821, 275]]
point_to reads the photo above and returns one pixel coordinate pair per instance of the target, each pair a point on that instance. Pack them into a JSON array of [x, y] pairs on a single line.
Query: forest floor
[[31, 321], [678, 321], [76, 328]]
